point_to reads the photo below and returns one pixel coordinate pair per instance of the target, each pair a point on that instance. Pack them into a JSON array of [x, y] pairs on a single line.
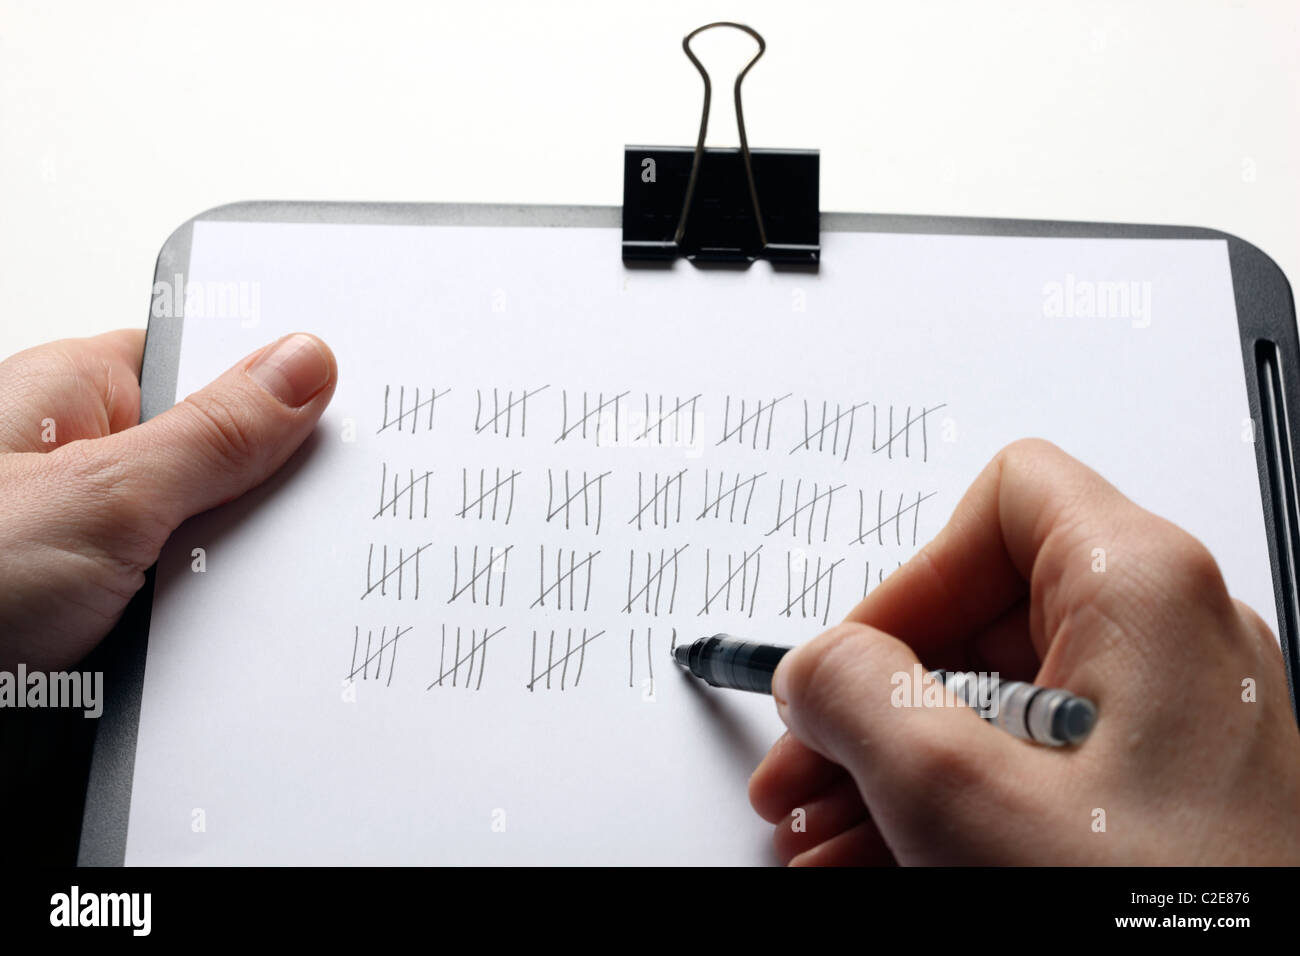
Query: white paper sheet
[[255, 747]]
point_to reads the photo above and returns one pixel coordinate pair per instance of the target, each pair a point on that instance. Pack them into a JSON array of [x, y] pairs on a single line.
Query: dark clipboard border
[[1270, 353]]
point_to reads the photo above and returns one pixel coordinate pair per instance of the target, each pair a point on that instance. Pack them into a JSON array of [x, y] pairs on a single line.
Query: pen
[[1045, 715]]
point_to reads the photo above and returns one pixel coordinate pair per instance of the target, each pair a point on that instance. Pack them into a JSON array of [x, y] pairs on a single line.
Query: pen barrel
[[741, 665], [1045, 715], [1031, 712]]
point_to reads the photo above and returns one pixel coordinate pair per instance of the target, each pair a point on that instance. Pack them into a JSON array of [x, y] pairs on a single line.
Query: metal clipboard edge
[[1265, 314]]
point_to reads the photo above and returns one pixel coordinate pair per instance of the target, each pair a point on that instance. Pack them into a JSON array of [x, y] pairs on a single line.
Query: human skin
[[1183, 767], [83, 516]]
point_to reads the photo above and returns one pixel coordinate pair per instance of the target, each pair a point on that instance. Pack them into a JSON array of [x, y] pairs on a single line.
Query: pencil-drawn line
[[730, 495], [488, 490], [563, 662], [754, 418], [477, 574], [403, 559], [905, 431], [798, 594], [581, 422], [399, 420], [478, 648], [377, 658], [739, 567], [389, 505], [807, 509], [589, 514], [582, 654], [562, 577], [442, 651], [478, 642], [675, 415], [842, 417], [502, 417], [661, 502], [654, 579], [880, 577], [649, 658], [882, 520]]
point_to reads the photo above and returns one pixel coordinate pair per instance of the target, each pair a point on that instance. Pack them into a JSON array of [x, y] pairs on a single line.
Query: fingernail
[[293, 369]]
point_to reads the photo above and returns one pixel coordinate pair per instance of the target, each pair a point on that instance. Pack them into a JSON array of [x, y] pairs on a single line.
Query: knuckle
[[943, 761], [938, 775], [1196, 572], [227, 427], [1252, 619], [1256, 626]]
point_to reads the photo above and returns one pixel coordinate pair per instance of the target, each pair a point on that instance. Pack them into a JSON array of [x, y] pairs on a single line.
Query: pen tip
[[682, 654]]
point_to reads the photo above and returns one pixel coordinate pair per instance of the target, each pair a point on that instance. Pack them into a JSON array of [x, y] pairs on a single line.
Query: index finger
[[1026, 528]]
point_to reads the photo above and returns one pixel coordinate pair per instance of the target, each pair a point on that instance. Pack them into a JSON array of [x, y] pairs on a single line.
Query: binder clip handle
[[703, 204], [704, 126]]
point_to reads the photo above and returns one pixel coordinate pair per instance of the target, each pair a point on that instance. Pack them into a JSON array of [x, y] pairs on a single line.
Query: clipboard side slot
[[1282, 490]]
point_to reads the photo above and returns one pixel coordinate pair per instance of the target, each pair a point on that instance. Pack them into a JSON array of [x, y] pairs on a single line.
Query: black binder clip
[[721, 205]]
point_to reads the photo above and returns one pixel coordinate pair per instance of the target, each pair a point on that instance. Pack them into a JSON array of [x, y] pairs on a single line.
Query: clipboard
[[740, 205], [1270, 355]]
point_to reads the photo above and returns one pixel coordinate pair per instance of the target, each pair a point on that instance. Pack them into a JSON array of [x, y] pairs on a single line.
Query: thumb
[[917, 767], [224, 439]]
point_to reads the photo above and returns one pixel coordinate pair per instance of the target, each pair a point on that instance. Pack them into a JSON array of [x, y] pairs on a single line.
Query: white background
[[119, 121]]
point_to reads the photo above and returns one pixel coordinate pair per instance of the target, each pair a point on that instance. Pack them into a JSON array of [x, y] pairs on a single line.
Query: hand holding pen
[[1044, 715], [1045, 574]]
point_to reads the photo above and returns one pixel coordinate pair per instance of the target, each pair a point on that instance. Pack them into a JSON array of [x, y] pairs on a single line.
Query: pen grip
[[741, 665]]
